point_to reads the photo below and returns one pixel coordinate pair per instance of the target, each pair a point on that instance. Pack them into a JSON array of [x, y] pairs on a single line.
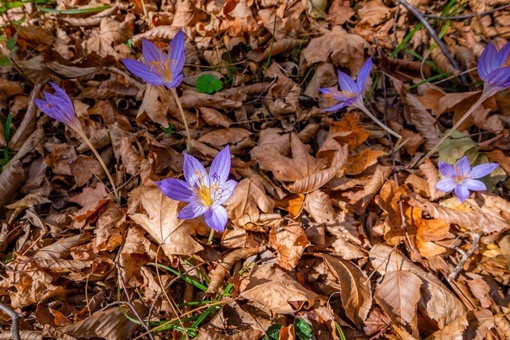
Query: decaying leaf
[[159, 219], [290, 242]]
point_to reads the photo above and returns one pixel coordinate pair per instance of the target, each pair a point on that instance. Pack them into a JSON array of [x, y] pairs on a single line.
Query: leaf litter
[[335, 229]]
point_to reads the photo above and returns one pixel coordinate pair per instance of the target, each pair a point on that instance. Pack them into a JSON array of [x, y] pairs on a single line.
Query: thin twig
[[433, 34], [466, 16], [465, 256], [15, 320]]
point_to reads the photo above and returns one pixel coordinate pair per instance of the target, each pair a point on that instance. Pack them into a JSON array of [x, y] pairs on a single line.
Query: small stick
[[465, 256], [15, 320]]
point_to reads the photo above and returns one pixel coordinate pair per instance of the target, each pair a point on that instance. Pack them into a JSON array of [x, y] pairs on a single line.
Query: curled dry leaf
[[160, 221], [318, 205], [214, 117], [218, 274], [355, 288], [130, 158], [290, 242], [432, 176], [276, 290], [155, 105], [436, 300], [61, 249], [247, 203], [398, 294], [275, 48], [486, 218]]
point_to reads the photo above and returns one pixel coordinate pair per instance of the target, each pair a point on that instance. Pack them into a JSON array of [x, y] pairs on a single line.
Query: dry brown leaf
[[355, 289], [370, 189], [61, 249], [423, 120], [111, 323], [218, 274], [427, 232], [160, 221], [340, 12], [110, 228], [439, 303], [432, 176], [345, 49], [290, 242], [486, 220], [12, 178], [318, 205], [130, 158], [214, 117], [247, 203], [398, 294], [155, 105], [27, 126], [361, 161], [274, 49], [276, 290], [348, 131], [221, 137], [453, 330], [112, 33]]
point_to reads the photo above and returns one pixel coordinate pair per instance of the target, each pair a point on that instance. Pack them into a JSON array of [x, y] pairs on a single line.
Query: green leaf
[[273, 333], [5, 61], [74, 11], [207, 83], [11, 42], [303, 329]]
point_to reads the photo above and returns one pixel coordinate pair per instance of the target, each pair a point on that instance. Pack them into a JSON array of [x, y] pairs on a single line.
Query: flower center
[[458, 179], [163, 69], [347, 94], [207, 195]]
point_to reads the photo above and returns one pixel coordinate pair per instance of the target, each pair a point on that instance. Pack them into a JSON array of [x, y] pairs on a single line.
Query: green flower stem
[[381, 124], [479, 102], [178, 101]]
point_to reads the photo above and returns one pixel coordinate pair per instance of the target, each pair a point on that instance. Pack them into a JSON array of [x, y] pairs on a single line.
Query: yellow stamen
[[163, 69]]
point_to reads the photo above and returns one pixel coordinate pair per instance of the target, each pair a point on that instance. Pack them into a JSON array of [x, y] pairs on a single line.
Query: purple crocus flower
[[160, 68], [351, 91], [204, 192], [493, 69], [462, 179], [60, 107]]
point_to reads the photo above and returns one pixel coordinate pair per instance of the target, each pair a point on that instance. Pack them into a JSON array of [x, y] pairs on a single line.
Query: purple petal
[[487, 62], [463, 167], [192, 210], [175, 82], [446, 185], [499, 78], [151, 52], [143, 71], [503, 54], [226, 190], [462, 192], [347, 84], [216, 218], [194, 172], [447, 170], [335, 107], [363, 74], [483, 170], [177, 52], [220, 167], [176, 189], [474, 184], [62, 94]]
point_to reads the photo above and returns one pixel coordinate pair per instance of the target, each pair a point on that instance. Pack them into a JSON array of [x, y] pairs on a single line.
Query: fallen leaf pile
[[332, 232]]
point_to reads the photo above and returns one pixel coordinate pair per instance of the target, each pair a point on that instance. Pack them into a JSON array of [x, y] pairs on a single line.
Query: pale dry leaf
[[423, 120], [218, 274], [162, 32], [473, 220], [247, 203], [432, 176], [453, 330], [318, 205], [191, 99], [110, 324], [61, 249], [275, 48], [355, 288], [398, 294], [160, 221], [276, 290], [155, 105], [130, 158], [437, 301], [290, 242]]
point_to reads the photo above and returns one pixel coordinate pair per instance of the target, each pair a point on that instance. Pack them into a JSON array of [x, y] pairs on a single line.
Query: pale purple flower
[[60, 107], [351, 91], [462, 179], [204, 192], [493, 68], [160, 68]]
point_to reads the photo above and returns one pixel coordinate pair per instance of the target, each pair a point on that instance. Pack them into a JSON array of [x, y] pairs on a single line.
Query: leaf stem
[[482, 98], [188, 135], [100, 160]]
